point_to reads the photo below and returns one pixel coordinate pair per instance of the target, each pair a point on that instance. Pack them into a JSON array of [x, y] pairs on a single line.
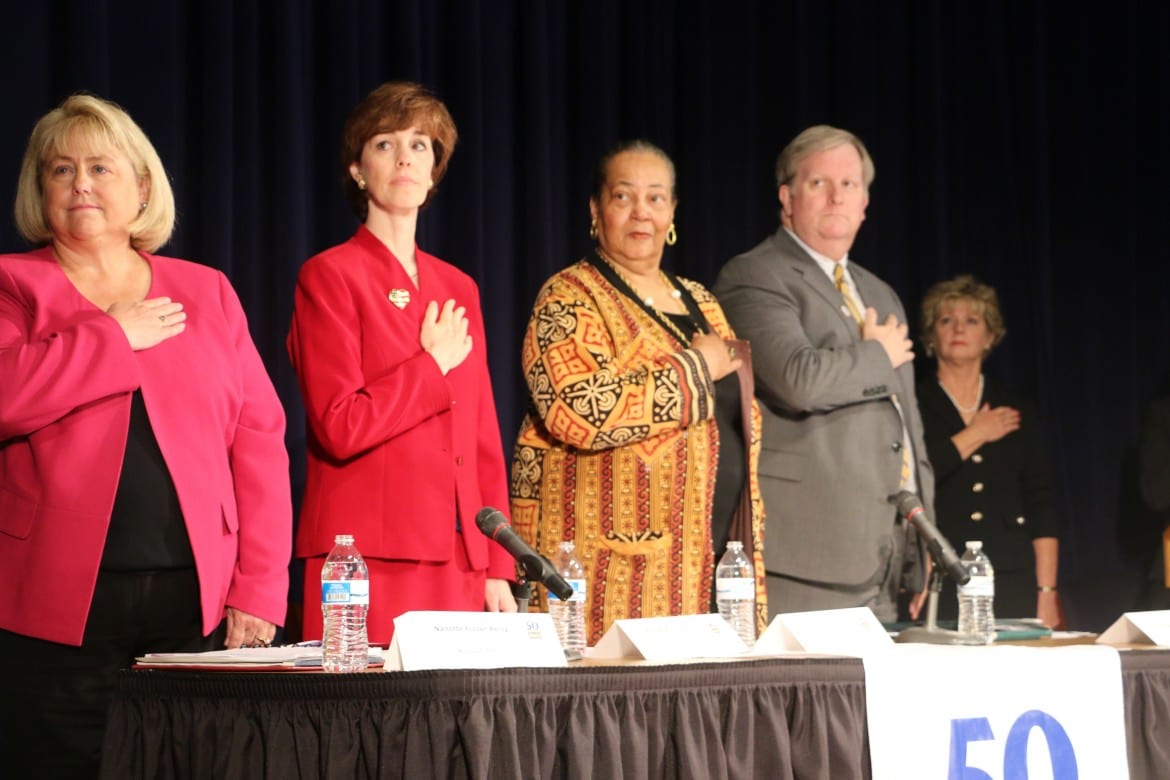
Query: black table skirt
[[774, 718]]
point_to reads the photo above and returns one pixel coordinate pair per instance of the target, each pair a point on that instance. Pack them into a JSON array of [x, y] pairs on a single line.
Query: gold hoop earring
[[671, 235], [593, 231]]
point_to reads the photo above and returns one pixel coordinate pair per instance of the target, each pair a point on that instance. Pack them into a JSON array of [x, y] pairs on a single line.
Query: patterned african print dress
[[619, 451]]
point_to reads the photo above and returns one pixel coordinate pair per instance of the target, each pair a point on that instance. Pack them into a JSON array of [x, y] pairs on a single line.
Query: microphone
[[910, 507], [536, 567]]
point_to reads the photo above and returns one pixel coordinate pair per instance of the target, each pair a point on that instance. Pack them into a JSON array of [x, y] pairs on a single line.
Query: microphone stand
[[930, 633], [522, 592]]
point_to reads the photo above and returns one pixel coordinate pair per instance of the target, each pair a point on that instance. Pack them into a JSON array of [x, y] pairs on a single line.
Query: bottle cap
[[735, 545], [568, 546], [343, 539], [975, 545]]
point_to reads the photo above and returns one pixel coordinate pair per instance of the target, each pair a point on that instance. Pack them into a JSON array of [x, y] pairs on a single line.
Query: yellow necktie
[[839, 280]]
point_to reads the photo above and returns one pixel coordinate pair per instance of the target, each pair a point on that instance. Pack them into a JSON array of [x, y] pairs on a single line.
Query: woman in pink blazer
[[144, 497], [388, 344]]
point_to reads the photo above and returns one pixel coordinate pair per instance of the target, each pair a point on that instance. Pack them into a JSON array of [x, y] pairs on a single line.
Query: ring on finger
[[162, 317]]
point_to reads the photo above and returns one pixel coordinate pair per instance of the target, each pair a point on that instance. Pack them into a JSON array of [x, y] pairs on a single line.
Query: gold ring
[[731, 352], [162, 318]]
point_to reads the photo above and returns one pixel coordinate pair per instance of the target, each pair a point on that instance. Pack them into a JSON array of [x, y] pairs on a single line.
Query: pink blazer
[[67, 376], [396, 449]]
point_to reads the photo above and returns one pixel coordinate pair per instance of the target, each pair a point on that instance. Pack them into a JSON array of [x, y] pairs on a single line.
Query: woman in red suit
[[388, 344], [144, 496]]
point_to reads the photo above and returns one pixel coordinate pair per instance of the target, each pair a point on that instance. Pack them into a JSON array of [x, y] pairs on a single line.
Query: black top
[[1001, 495], [147, 532], [731, 474]]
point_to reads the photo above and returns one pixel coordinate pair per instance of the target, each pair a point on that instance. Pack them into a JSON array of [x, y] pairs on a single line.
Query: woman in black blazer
[[987, 449]]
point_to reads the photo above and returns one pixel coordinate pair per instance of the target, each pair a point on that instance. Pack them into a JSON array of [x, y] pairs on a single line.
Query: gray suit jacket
[[832, 434]]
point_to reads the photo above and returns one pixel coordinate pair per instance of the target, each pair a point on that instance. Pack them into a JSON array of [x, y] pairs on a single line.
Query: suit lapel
[[815, 278]]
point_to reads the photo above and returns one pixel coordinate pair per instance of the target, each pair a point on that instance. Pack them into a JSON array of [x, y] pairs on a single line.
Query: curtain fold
[[1021, 142]]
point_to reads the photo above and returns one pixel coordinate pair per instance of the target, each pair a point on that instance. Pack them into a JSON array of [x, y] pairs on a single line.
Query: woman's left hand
[[497, 596], [1049, 609], [244, 630]]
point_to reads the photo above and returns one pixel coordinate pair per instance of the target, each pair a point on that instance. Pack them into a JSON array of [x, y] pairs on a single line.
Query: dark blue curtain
[[1020, 141]]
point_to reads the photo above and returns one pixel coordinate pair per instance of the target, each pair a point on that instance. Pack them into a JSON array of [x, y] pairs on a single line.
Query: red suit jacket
[[67, 374], [396, 449]]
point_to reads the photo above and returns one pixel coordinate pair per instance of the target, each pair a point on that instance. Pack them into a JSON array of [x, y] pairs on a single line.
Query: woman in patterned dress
[[641, 439]]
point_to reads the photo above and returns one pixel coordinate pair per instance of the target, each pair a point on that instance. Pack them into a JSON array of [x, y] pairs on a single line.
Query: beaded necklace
[[965, 409], [615, 277]]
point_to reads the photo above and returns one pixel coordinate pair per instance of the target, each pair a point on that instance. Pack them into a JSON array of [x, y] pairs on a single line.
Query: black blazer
[[1001, 495]]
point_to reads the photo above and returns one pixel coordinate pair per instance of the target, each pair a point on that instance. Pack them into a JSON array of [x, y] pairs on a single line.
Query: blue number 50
[[1015, 754]]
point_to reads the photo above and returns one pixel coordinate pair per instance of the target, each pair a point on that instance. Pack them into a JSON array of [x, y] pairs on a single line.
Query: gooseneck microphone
[[910, 507], [536, 567]]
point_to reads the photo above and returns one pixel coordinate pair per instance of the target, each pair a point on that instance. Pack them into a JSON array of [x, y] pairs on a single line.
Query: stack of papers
[[254, 658]]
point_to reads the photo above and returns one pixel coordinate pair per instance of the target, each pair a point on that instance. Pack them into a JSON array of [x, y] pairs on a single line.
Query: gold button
[[977, 487], [976, 516], [976, 458]]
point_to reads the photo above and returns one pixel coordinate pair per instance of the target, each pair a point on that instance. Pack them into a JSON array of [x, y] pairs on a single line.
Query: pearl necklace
[[965, 409], [675, 293]]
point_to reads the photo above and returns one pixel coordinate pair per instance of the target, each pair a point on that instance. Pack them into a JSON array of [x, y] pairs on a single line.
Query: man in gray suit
[[835, 381]]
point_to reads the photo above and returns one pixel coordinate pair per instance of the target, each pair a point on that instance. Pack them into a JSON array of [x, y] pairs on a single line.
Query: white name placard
[[473, 640], [1139, 628], [854, 631], [671, 638], [995, 712]]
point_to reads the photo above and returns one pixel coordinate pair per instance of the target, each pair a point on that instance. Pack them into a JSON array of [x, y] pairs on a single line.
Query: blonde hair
[[88, 119], [819, 138], [962, 288]]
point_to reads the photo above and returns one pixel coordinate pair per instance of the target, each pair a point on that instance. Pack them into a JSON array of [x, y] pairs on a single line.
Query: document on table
[[290, 656]]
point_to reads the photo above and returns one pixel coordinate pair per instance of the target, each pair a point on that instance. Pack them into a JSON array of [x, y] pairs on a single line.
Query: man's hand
[[890, 334]]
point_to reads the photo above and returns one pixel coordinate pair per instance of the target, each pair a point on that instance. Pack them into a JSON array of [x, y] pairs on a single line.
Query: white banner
[[996, 713]]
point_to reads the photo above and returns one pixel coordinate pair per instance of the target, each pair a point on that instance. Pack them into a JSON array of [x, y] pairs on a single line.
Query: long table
[[775, 718]]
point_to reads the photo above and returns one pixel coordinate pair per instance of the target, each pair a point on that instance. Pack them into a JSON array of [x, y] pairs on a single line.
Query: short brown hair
[[91, 119], [396, 105], [962, 288], [819, 138]]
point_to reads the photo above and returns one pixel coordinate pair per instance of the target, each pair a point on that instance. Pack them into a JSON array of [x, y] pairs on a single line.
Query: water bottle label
[[978, 586], [345, 592], [578, 591], [735, 588]]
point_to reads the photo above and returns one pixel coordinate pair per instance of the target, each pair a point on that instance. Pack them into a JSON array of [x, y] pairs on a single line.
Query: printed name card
[[672, 638], [854, 631], [473, 640], [1139, 628]]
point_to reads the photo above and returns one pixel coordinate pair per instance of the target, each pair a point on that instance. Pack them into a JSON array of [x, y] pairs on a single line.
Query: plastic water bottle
[[569, 615], [735, 592], [977, 597], [345, 597]]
